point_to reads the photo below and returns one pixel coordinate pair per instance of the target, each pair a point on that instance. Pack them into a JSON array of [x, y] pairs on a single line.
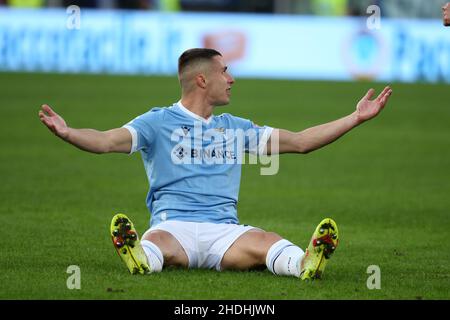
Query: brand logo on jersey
[[180, 153], [185, 129], [210, 154], [221, 145]]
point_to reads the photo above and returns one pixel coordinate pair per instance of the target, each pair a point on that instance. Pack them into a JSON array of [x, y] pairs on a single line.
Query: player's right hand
[[54, 122]]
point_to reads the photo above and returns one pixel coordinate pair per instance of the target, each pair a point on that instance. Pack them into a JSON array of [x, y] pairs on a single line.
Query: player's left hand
[[367, 109]]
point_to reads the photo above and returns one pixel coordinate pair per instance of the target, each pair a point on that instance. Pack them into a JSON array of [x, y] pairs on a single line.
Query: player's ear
[[200, 80]]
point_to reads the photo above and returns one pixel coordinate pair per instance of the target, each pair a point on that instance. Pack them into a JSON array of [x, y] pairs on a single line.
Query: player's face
[[220, 82]]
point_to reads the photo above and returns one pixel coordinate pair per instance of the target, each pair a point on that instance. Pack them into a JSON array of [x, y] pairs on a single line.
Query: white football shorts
[[204, 243]]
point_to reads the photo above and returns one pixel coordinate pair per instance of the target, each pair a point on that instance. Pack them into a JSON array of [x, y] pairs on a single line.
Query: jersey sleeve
[[255, 136], [143, 129]]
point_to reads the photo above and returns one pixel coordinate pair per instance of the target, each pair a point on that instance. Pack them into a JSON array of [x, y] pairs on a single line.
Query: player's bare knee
[[266, 240], [162, 241], [154, 236], [172, 251], [272, 237]]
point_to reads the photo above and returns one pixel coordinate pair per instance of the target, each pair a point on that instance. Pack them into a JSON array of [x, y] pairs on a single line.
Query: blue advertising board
[[267, 46]]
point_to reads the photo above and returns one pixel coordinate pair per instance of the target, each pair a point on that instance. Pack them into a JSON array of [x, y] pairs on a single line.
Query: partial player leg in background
[[446, 14]]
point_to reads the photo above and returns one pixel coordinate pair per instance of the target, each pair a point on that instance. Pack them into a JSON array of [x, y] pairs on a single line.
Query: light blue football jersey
[[193, 164]]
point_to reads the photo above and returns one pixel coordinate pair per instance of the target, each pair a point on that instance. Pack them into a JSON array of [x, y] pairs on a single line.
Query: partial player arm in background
[[114, 140], [446, 14], [316, 137]]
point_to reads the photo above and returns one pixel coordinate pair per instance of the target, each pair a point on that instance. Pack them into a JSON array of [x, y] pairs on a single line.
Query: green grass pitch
[[387, 185]]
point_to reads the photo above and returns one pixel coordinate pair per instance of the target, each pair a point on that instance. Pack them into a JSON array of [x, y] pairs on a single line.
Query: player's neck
[[199, 106]]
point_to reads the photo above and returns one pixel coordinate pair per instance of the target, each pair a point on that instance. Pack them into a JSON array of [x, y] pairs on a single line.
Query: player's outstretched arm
[[316, 137], [115, 140]]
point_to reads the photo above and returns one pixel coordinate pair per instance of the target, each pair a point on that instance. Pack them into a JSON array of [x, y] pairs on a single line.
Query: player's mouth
[[229, 91]]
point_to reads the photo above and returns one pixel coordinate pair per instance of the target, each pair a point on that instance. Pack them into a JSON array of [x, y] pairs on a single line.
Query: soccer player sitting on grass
[[194, 183]]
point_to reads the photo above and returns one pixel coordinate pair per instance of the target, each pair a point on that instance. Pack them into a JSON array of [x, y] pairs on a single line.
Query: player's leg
[[249, 250], [257, 248], [165, 247], [171, 243], [156, 249]]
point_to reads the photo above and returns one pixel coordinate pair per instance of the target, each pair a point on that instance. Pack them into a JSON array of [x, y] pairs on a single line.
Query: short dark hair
[[195, 54]]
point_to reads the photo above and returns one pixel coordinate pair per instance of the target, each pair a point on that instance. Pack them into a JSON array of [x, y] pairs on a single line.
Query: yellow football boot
[[324, 241], [126, 242]]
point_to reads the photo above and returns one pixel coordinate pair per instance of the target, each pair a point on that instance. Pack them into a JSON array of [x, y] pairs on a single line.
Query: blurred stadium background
[[392, 8], [298, 63], [305, 39]]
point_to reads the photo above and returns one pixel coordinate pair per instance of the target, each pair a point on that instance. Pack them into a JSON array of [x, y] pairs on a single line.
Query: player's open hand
[[53, 121], [367, 109]]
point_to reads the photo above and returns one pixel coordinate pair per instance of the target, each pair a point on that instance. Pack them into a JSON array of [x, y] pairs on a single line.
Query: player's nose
[[230, 79]]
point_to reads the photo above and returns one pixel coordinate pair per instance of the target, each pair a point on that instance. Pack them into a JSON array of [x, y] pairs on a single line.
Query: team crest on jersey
[[185, 129]]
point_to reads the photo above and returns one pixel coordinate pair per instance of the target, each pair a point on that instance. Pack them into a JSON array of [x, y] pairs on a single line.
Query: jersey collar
[[193, 115]]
